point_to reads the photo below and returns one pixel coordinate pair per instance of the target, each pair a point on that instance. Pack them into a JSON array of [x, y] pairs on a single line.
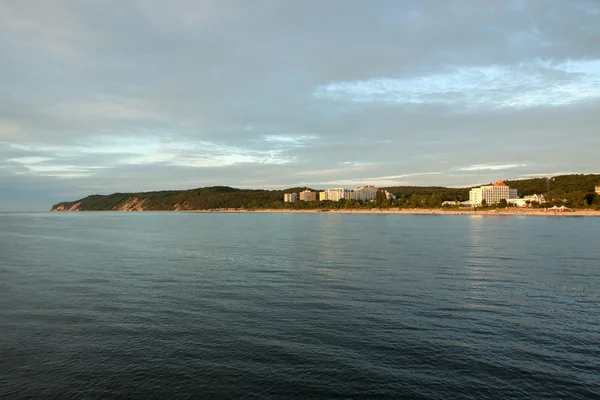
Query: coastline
[[420, 211], [409, 211]]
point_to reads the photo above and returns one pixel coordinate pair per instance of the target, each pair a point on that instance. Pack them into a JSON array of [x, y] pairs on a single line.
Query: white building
[[336, 194], [518, 202], [389, 196], [491, 194], [365, 193], [290, 197], [598, 189], [527, 200], [538, 198]]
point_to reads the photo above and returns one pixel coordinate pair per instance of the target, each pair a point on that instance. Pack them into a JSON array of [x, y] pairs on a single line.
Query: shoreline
[[409, 211], [418, 211]]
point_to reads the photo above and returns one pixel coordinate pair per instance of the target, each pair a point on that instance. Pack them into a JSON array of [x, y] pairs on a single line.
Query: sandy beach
[[421, 211]]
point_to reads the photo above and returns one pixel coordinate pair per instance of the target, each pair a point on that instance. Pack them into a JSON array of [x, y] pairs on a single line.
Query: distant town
[[498, 192], [361, 193]]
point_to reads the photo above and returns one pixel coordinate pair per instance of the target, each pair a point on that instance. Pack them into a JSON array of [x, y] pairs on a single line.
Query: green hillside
[[573, 190]]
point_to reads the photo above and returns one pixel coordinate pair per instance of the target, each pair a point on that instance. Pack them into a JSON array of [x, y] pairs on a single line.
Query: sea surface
[[269, 306]]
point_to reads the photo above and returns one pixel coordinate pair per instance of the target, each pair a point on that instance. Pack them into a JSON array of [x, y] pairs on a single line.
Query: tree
[[576, 198], [435, 201], [380, 198], [483, 203], [502, 203]]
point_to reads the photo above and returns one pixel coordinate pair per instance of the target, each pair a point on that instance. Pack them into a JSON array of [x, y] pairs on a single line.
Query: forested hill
[[558, 185], [576, 189], [174, 200], [561, 186]]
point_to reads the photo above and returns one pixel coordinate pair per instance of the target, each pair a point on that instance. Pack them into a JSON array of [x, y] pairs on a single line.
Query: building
[[527, 200], [365, 193], [597, 189], [323, 196], [538, 198], [389, 196], [491, 194], [518, 202], [308, 195], [336, 194], [290, 197]]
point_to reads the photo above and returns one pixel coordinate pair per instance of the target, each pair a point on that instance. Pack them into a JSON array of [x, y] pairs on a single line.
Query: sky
[[104, 96]]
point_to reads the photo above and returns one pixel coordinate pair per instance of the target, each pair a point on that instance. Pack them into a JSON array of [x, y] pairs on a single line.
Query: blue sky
[[132, 95]]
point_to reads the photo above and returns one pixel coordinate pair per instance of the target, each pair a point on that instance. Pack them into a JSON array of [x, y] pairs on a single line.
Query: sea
[[298, 306]]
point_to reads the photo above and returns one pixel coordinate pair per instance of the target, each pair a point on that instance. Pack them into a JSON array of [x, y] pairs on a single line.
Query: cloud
[[487, 167], [545, 174], [380, 181], [107, 152], [268, 93], [525, 85], [295, 140], [29, 160]]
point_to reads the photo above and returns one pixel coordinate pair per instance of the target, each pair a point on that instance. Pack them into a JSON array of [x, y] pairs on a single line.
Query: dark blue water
[[101, 305]]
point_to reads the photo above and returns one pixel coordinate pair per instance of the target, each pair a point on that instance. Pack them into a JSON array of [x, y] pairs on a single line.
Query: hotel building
[[307, 195], [362, 193], [365, 193], [336, 194], [491, 194], [290, 197]]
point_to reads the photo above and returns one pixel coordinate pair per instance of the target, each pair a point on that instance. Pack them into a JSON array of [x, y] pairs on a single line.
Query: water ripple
[[99, 305]]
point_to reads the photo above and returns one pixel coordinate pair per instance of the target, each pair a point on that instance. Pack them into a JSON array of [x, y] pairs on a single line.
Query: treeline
[[426, 196], [193, 199], [558, 185], [571, 190]]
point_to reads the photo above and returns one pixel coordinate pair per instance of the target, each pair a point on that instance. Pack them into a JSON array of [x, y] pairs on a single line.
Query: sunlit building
[[308, 195], [526, 201], [538, 198], [598, 189], [492, 193], [290, 197], [336, 194], [365, 193]]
